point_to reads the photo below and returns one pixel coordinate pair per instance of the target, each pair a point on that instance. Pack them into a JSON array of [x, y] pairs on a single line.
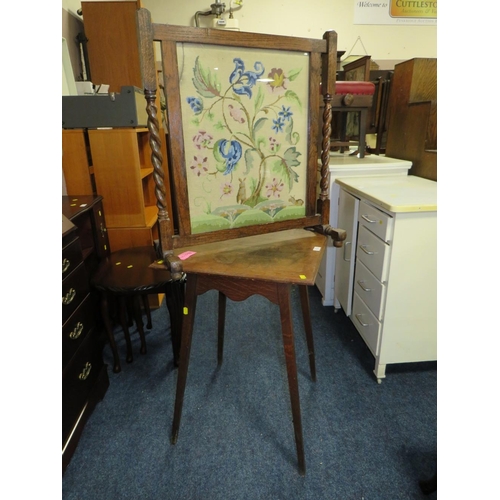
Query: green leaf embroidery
[[258, 125], [291, 136], [294, 73], [205, 83], [259, 100], [292, 97]]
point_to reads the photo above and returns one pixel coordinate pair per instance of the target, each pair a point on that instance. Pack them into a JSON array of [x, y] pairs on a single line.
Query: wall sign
[[408, 12]]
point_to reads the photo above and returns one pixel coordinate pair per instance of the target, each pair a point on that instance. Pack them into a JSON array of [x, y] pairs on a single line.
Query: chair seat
[[290, 256], [355, 88]]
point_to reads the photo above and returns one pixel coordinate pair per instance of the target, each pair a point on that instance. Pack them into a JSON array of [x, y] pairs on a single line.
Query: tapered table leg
[[174, 296], [136, 308], [187, 332], [124, 323], [109, 330], [220, 328], [306, 315], [291, 368]]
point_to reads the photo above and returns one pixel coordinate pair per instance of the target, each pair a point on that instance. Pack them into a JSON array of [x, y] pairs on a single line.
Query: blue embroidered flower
[[242, 80], [278, 125], [285, 113], [227, 153], [196, 104]]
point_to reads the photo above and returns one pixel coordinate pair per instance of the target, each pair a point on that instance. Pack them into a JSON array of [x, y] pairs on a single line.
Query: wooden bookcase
[[123, 175]]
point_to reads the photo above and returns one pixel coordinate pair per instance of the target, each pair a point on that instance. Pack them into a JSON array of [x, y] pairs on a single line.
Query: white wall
[[310, 18]]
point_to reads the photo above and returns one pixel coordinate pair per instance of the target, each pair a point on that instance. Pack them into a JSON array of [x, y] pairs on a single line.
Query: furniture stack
[[84, 374]]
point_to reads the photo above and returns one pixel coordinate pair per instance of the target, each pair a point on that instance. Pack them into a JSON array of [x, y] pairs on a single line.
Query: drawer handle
[[365, 249], [365, 288], [69, 297], [86, 371], [77, 331], [103, 230], [358, 317], [367, 219], [65, 265], [345, 248]]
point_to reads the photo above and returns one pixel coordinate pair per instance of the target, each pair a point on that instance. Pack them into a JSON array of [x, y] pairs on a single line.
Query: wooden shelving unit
[[124, 178]]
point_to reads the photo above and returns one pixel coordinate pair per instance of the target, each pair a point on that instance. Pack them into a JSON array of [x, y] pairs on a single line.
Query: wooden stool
[[353, 96], [127, 276]]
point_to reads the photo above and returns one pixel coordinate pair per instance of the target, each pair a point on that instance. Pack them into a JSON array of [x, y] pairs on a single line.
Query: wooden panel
[[121, 238], [112, 43], [412, 116], [75, 162], [118, 176]]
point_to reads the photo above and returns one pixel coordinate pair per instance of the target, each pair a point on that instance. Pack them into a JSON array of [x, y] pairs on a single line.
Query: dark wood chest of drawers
[[84, 374]]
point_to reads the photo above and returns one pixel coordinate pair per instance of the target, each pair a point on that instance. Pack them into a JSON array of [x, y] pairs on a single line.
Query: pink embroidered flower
[[226, 189], [199, 166], [273, 144], [202, 139], [278, 79], [236, 114], [274, 188]]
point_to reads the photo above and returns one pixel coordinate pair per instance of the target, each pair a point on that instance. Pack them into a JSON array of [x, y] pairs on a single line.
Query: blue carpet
[[362, 440]]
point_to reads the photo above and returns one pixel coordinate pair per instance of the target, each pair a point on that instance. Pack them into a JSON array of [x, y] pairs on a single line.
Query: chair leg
[[109, 330], [187, 333], [363, 116], [306, 315], [291, 368], [174, 297], [136, 307], [147, 309], [124, 323], [220, 328], [343, 131]]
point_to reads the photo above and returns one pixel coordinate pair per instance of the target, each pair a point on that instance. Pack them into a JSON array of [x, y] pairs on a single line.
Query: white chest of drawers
[[389, 288], [343, 165]]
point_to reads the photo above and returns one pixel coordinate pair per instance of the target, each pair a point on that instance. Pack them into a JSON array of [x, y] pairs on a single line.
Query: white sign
[[408, 12]]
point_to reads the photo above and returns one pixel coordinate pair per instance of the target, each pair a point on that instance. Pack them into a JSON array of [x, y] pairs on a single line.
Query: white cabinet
[[343, 165], [393, 288], [346, 256]]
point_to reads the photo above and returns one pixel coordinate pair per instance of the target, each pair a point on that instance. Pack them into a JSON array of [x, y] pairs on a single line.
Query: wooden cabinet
[[84, 374], [392, 280], [412, 116], [112, 43]]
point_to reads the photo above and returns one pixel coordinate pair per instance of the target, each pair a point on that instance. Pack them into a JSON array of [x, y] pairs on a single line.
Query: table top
[[73, 205], [340, 162], [128, 272], [394, 193]]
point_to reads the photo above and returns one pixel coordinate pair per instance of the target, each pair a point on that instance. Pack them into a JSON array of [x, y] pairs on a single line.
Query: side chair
[[249, 217]]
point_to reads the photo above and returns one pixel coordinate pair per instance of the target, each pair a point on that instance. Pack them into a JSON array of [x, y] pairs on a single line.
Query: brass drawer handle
[[86, 371], [65, 265], [69, 297], [103, 230], [77, 331]]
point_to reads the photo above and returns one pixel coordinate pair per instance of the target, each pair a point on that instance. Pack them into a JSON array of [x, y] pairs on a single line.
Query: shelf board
[[146, 171], [151, 215]]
